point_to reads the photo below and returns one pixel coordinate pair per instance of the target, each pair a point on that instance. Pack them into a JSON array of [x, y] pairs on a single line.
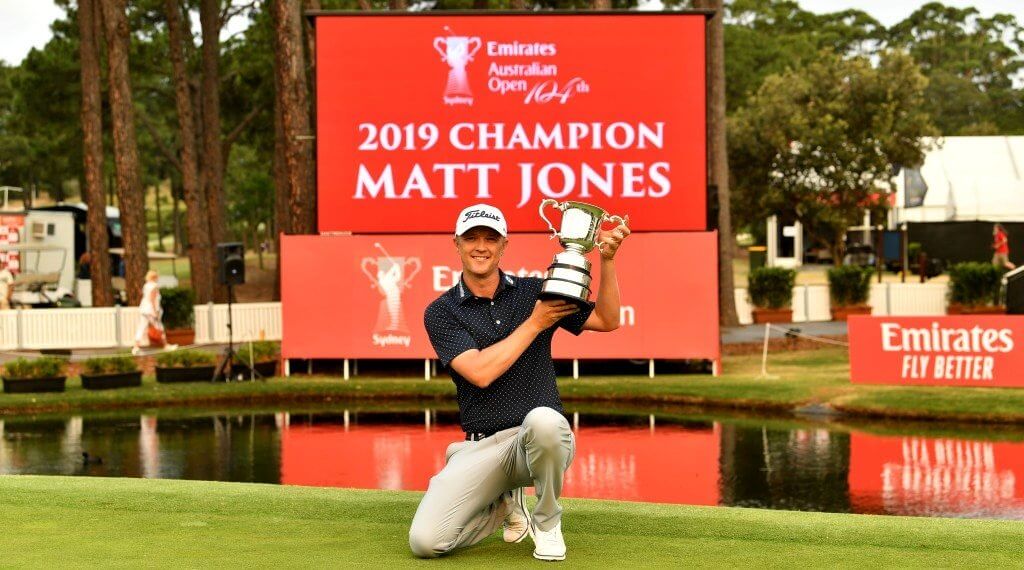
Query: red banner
[[419, 116], [975, 351], [364, 296], [12, 228]]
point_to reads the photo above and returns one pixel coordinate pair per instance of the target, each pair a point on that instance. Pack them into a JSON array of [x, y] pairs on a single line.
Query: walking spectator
[[1001, 245], [6, 287], [150, 314]]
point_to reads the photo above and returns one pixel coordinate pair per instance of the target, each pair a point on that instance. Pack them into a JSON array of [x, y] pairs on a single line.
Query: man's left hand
[[612, 239]]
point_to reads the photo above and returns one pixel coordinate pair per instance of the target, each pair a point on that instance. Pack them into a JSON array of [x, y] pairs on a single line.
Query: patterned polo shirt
[[458, 321]]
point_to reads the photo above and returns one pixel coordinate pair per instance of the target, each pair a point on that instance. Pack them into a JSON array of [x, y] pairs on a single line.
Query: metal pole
[[575, 369], [764, 352]]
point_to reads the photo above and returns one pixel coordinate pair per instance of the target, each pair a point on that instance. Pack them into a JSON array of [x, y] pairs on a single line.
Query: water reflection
[[641, 458]]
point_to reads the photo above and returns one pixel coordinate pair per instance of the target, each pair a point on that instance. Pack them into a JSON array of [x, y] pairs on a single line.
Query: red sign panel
[[934, 476], [364, 296], [420, 116], [12, 229], [980, 350]]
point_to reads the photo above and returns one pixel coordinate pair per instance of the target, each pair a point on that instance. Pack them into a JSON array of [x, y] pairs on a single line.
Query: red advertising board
[[419, 116], [364, 296], [975, 351], [12, 229], [910, 475]]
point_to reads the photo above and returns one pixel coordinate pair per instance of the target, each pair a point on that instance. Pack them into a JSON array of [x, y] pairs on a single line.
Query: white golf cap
[[481, 215]]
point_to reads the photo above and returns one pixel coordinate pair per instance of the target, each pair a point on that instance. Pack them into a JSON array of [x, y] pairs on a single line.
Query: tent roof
[[971, 179]]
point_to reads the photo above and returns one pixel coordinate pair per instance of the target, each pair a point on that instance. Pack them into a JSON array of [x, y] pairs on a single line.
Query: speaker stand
[[225, 369]]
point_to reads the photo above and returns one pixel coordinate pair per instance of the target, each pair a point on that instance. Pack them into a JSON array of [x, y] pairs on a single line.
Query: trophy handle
[[619, 221], [549, 202], [366, 262], [473, 51], [438, 42], [415, 262]]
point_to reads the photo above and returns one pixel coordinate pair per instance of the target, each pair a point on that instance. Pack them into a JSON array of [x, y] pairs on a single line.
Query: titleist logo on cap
[[480, 214]]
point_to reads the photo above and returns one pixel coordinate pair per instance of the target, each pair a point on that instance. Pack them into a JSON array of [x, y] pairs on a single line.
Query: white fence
[[38, 329], [811, 302], [114, 327], [250, 321]]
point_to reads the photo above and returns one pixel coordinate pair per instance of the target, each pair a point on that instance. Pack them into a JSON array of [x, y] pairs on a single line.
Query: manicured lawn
[[77, 522], [797, 379]]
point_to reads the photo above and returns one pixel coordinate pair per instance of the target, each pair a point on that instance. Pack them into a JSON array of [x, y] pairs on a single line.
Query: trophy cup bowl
[[568, 276]]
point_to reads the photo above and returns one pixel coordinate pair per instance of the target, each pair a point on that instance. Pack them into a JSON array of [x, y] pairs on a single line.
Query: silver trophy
[[568, 277]]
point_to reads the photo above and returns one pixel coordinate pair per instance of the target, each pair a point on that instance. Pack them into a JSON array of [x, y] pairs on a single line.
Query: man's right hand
[[548, 312]]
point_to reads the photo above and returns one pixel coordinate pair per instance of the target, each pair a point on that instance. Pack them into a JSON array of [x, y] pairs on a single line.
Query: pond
[[668, 457]]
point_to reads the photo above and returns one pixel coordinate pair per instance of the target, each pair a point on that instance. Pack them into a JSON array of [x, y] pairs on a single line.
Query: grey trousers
[[465, 502]]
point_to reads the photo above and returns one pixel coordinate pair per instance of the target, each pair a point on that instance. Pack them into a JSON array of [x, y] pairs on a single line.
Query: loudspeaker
[[230, 263]]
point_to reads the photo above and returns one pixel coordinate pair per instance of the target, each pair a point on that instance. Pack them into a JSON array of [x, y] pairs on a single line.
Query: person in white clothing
[[6, 287], [150, 313]]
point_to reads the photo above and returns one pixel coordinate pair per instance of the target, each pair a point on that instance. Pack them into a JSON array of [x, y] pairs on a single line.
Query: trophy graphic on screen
[[391, 278], [457, 52]]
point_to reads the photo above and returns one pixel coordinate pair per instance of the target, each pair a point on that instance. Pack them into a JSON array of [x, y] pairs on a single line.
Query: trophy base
[[558, 289]]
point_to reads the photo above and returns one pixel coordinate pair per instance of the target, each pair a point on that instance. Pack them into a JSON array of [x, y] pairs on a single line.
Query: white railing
[[250, 321], [38, 329], [114, 327], [811, 302]]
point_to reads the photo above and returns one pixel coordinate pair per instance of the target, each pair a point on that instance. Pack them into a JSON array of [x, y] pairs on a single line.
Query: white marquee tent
[[967, 179]]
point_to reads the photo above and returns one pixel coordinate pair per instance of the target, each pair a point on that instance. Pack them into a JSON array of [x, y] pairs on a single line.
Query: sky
[[25, 24]]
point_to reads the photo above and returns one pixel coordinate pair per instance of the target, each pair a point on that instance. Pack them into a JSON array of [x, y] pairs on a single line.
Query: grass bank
[[798, 380], [83, 522]]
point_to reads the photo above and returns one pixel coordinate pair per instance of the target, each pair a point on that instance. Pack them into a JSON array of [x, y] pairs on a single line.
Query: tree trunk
[[518, 4], [199, 252], [159, 219], [607, 4], [175, 216], [398, 5], [282, 223], [293, 106], [212, 173], [92, 155], [719, 160], [126, 152]]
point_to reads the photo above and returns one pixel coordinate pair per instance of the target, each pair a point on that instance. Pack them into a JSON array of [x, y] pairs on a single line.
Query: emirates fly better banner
[[977, 351], [419, 116]]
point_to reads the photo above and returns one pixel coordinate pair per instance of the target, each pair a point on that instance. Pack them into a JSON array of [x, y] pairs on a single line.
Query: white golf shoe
[[549, 544], [517, 522]]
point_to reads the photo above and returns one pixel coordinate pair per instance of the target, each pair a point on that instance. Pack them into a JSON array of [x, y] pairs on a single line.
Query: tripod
[[227, 364]]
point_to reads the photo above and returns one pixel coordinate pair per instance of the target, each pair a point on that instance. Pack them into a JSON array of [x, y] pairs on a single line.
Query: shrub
[[849, 285], [974, 284], [120, 364], [185, 359], [42, 367], [261, 351], [771, 287], [178, 303]]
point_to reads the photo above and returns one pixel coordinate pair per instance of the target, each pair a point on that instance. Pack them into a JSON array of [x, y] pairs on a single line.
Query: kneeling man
[[495, 336]]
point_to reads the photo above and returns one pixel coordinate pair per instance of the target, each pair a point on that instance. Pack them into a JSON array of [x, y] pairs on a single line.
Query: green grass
[[797, 379], [79, 522]]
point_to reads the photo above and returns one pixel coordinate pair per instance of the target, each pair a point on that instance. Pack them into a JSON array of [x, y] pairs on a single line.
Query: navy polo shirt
[[458, 321]]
